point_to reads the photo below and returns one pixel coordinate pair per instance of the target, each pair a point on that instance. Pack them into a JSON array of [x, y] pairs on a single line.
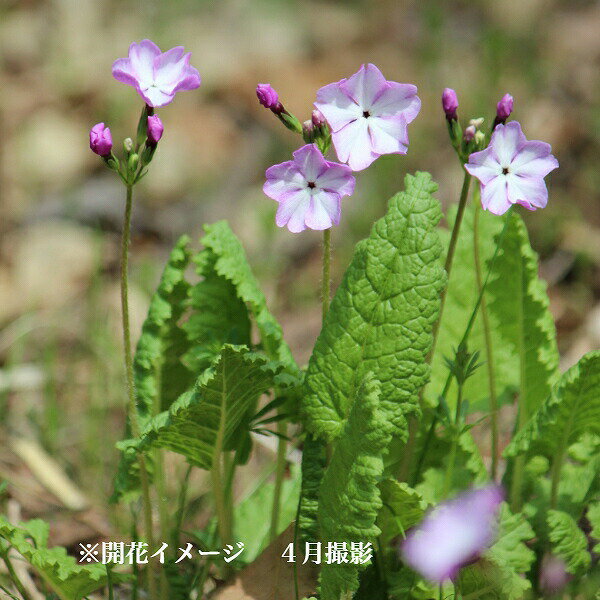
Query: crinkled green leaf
[[224, 258], [568, 541], [313, 468], [382, 315], [572, 409], [224, 396], [519, 301], [593, 516], [68, 579], [349, 498], [402, 509], [499, 573], [160, 376], [461, 297]]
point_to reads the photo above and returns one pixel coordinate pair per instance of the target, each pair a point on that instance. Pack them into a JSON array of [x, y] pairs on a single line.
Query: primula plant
[[439, 322]]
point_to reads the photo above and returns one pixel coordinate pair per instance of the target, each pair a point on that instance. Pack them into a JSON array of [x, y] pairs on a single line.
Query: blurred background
[[61, 380]]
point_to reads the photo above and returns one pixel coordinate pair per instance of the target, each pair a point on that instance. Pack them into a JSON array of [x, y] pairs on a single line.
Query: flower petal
[[534, 160], [494, 196], [283, 181], [169, 67], [310, 162], [506, 141], [353, 145], [395, 99], [530, 192], [142, 57], [155, 97], [365, 86], [338, 107], [484, 165], [389, 135], [292, 211], [338, 179], [324, 211], [122, 71]]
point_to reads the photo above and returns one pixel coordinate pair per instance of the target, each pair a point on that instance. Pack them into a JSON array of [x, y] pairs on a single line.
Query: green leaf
[[382, 316], [223, 398], [593, 515], [568, 541], [160, 376], [499, 574], [252, 526], [69, 580], [349, 498], [519, 301], [314, 461], [402, 509], [225, 259], [572, 409], [461, 297]]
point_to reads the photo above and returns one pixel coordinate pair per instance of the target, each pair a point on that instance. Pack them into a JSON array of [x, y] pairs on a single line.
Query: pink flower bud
[[318, 119], [504, 108], [469, 133], [155, 130], [267, 96], [449, 103], [100, 140], [553, 574]]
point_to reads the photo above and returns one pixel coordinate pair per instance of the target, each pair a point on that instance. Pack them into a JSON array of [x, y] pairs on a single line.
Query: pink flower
[[454, 534], [156, 75], [100, 140], [553, 574], [449, 103], [266, 95], [511, 170], [155, 129], [309, 190], [368, 115]]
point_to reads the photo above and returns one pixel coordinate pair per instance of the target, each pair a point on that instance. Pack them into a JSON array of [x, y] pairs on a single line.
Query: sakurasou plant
[[430, 327]]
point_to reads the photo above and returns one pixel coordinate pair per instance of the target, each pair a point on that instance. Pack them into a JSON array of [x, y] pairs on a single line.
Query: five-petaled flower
[[309, 190], [100, 139], [368, 115], [511, 170], [454, 534], [156, 75]]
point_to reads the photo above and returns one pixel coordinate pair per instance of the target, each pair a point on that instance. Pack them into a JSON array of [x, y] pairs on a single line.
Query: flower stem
[[326, 282], [488, 348], [13, 574], [462, 203], [133, 415], [279, 475], [454, 447]]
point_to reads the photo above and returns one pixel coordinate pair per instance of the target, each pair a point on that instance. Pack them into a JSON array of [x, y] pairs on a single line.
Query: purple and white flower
[[368, 115], [309, 190], [100, 139], [156, 75], [454, 534], [511, 170]]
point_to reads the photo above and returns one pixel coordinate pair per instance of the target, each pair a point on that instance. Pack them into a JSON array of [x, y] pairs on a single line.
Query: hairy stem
[[279, 475], [133, 415], [488, 348], [13, 574], [454, 447], [326, 280]]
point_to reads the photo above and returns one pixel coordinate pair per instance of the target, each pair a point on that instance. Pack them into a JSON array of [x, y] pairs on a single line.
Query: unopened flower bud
[[504, 108], [477, 123], [469, 133], [266, 95], [553, 574], [133, 161], [127, 145], [100, 140], [450, 103], [155, 130], [308, 132], [480, 139], [317, 117]]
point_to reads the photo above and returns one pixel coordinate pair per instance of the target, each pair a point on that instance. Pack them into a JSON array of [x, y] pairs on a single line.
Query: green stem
[[555, 474], [462, 203], [181, 501], [454, 447], [279, 475], [488, 348], [133, 415], [326, 281], [13, 574]]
